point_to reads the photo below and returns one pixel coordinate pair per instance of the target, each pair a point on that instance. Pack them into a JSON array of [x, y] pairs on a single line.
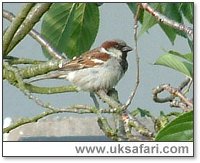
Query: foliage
[[180, 129], [176, 11], [71, 27], [173, 60]]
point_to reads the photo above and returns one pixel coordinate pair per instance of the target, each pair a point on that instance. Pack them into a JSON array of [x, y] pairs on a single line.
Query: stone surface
[[71, 127]]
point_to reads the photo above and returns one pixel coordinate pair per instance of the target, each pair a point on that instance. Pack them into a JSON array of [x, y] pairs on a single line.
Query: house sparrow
[[98, 69]]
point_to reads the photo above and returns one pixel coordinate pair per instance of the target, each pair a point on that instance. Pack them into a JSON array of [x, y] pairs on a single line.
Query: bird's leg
[[96, 103], [113, 94]]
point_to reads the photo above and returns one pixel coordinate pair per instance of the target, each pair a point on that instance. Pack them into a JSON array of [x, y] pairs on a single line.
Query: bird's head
[[116, 48]]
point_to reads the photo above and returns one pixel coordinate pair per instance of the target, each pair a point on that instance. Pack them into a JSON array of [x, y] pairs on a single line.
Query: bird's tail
[[51, 75]]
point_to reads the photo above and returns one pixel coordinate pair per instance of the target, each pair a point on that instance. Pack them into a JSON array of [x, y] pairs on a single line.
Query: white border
[[119, 148]]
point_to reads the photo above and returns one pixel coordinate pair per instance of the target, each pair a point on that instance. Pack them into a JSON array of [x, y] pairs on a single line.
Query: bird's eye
[[117, 46]]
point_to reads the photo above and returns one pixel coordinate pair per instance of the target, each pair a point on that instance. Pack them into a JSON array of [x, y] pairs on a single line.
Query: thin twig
[[157, 91], [179, 94], [184, 84], [170, 98], [137, 61], [174, 93], [165, 20], [182, 105], [37, 36], [188, 88]]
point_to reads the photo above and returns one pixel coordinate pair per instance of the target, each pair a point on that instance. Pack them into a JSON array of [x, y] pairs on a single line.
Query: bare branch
[[165, 20], [137, 61], [189, 84], [174, 93], [178, 104], [184, 84], [158, 90], [179, 94]]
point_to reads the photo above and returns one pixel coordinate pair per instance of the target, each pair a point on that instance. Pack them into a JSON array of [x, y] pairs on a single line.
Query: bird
[[97, 69]]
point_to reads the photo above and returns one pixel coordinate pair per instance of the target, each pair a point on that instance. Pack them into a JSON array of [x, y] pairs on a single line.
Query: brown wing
[[86, 60]]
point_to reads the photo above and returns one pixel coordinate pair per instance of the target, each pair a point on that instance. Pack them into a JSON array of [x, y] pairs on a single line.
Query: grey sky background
[[116, 21]]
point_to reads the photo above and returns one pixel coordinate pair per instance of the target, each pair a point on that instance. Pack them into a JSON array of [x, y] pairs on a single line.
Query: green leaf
[[171, 61], [133, 7], [149, 20], [144, 112], [188, 56], [71, 27], [171, 10], [187, 10], [170, 32], [180, 129]]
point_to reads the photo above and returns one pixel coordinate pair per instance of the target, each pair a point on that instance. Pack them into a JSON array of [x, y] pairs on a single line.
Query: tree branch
[[50, 90], [110, 101], [33, 70], [107, 129], [165, 20], [178, 104], [132, 122], [34, 34], [31, 19], [174, 93], [158, 90], [10, 32]]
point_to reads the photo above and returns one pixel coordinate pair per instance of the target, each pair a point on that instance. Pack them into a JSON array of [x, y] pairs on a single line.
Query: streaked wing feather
[[87, 60]]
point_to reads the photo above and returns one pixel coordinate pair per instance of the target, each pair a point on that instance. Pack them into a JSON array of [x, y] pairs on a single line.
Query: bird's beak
[[127, 49]]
